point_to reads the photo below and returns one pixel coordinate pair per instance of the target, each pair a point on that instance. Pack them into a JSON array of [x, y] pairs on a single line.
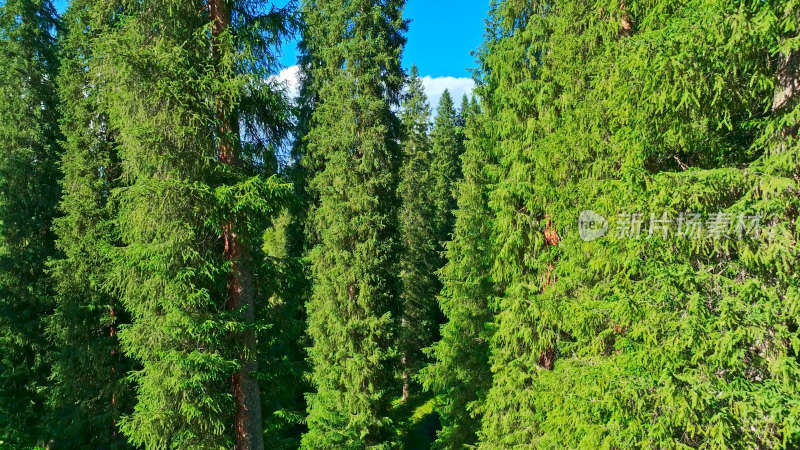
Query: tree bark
[[248, 427], [547, 356], [625, 21], [112, 332], [406, 385], [787, 88]]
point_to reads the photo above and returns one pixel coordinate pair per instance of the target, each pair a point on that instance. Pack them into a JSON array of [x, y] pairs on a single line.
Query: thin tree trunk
[[249, 434], [406, 381], [787, 88], [112, 332]]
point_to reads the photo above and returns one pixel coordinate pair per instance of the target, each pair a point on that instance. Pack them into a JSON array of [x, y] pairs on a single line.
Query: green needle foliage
[[90, 390], [448, 146], [175, 274], [631, 107], [284, 359], [354, 311], [29, 194], [428, 178], [459, 374], [175, 87], [419, 258], [286, 246]]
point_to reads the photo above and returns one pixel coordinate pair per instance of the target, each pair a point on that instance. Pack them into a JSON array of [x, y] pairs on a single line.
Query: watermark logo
[[591, 225], [687, 225]]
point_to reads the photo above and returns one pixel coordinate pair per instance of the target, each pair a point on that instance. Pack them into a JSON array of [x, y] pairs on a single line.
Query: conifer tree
[[419, 259], [448, 146], [283, 355], [355, 307], [459, 373], [464, 111], [665, 340], [469, 107], [286, 245], [29, 193], [90, 391], [179, 79]]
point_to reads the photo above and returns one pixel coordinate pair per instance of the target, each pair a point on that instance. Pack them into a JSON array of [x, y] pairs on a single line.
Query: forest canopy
[[597, 249]]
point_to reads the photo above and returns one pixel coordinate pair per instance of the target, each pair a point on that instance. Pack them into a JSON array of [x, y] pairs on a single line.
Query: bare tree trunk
[[248, 428]]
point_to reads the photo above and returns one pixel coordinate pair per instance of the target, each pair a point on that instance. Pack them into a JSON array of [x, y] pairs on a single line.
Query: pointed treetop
[[446, 103], [446, 114], [464, 111], [416, 111]]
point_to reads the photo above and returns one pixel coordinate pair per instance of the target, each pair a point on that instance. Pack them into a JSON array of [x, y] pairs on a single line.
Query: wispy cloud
[[290, 78], [434, 86]]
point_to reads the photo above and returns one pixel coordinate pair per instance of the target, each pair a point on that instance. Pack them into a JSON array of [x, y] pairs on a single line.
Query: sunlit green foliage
[[166, 80], [175, 274], [419, 249], [459, 374], [634, 108], [354, 310]]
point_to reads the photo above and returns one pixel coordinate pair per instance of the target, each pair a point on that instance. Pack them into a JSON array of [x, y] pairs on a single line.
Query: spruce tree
[[286, 245], [419, 258], [469, 107], [459, 373], [90, 391], [355, 308], [463, 111], [663, 340], [184, 87], [448, 146], [29, 193], [283, 355]]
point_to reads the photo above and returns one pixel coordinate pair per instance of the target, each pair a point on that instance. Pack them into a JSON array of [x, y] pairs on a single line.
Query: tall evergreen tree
[[459, 373], [665, 340], [354, 311], [90, 391], [464, 111], [179, 79], [286, 245], [419, 258], [469, 107], [448, 146], [283, 354], [29, 193]]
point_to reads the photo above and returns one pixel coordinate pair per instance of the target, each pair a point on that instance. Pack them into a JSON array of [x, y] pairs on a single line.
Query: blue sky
[[441, 35]]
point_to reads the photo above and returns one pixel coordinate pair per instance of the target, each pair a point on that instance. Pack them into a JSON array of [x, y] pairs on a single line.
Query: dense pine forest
[[596, 250]]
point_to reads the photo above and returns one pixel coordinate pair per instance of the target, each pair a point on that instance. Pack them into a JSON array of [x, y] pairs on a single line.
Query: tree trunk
[[112, 332], [249, 434], [625, 21], [406, 386], [787, 88], [246, 391], [547, 356]]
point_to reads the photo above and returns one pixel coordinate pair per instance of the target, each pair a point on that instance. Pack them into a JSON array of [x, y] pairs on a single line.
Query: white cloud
[[434, 86], [290, 78]]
